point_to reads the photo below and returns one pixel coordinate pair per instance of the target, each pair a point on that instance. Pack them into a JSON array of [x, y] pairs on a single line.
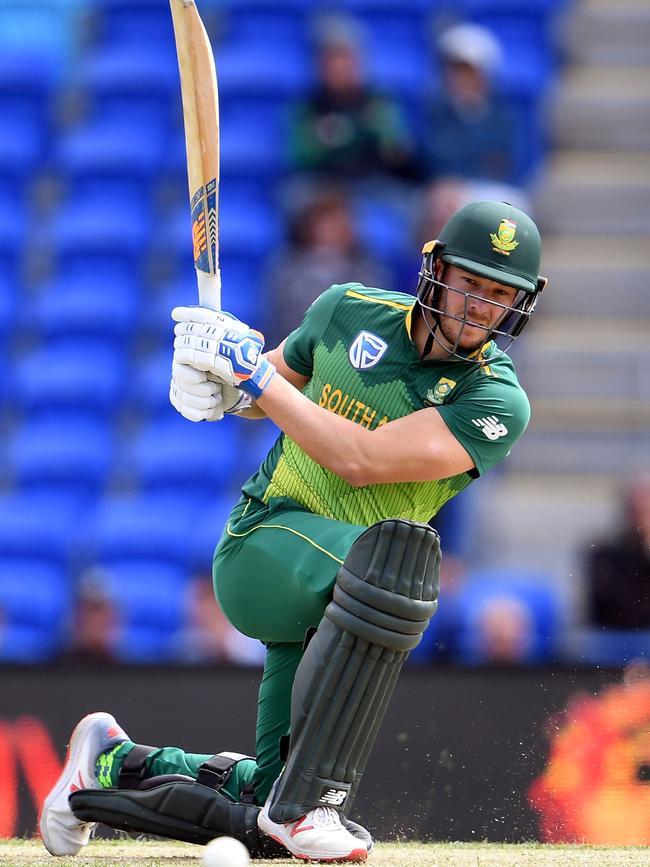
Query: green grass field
[[30, 853]]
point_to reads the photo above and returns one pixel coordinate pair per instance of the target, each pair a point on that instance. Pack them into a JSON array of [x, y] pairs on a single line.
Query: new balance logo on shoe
[[333, 797], [298, 826], [491, 427]]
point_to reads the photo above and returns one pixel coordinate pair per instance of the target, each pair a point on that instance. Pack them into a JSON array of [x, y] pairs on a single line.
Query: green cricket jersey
[[355, 345]]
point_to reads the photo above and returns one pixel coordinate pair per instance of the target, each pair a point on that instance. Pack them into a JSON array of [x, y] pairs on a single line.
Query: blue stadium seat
[[34, 600], [78, 307], [13, 230], [541, 8], [8, 292], [38, 525], [137, 70], [247, 224], [98, 227], [157, 322], [122, 146], [40, 28], [21, 143], [382, 229], [113, 267], [387, 28], [253, 138], [148, 389], [241, 296], [208, 531], [139, 527], [534, 593], [67, 454], [27, 82], [242, 289], [131, 22], [398, 71], [149, 595], [280, 24], [83, 376], [365, 7], [180, 457], [257, 69]]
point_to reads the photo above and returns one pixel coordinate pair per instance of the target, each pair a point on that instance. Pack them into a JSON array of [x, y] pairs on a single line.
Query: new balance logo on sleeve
[[333, 797], [491, 427]]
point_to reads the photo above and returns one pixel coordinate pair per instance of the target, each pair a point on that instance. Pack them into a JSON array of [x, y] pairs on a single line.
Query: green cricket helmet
[[493, 240]]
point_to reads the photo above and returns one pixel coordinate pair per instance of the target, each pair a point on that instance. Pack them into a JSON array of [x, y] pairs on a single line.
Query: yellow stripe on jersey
[[378, 300]]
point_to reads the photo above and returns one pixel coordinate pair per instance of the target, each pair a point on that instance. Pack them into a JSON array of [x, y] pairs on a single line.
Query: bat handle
[[209, 289]]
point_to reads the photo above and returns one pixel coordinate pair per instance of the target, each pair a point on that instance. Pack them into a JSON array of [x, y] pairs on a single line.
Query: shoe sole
[[71, 759], [354, 855]]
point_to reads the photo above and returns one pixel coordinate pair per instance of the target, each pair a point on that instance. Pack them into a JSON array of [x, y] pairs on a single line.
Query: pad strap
[[213, 773], [133, 767]]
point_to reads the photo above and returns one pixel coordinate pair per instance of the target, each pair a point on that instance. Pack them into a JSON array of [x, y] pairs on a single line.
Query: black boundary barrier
[[454, 759]]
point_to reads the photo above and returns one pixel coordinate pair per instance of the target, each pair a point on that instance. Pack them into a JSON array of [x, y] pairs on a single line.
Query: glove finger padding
[[188, 375], [207, 405], [206, 361], [205, 315]]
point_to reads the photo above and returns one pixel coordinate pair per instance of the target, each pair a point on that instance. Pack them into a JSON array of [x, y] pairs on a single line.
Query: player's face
[[472, 306]]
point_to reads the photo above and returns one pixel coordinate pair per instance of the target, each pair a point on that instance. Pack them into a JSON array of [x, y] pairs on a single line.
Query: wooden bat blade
[[201, 120]]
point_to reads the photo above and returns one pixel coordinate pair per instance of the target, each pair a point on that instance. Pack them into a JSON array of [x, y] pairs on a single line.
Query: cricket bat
[[201, 120]]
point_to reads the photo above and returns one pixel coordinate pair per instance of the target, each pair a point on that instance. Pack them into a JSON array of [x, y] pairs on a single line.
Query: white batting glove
[[197, 336], [234, 401], [198, 398], [221, 345]]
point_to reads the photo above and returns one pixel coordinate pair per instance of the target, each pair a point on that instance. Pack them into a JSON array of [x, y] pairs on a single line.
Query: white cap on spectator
[[471, 44]]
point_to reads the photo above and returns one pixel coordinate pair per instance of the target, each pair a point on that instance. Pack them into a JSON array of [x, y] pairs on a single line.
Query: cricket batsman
[[387, 408]]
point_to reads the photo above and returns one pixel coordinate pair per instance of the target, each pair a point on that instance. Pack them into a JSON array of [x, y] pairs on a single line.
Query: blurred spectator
[[505, 617], [617, 569], [207, 636], [324, 249], [471, 131], [436, 203], [442, 198], [344, 129], [505, 630], [95, 623]]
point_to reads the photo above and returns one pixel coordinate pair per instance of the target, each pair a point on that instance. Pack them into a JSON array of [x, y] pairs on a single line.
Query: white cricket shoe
[[316, 836], [62, 832]]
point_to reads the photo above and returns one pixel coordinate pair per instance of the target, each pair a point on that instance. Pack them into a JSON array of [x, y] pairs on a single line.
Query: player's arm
[[418, 447]]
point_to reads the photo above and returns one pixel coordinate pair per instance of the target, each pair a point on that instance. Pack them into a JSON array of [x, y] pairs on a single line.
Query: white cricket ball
[[225, 852]]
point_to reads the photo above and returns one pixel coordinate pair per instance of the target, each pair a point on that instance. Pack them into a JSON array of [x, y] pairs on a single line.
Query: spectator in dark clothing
[[95, 625], [345, 129], [618, 569], [324, 249], [471, 133]]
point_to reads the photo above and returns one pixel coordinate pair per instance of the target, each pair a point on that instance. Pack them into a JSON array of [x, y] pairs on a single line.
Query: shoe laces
[[325, 817]]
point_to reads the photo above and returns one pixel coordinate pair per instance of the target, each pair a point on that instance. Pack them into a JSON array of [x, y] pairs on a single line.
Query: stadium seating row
[[91, 468]]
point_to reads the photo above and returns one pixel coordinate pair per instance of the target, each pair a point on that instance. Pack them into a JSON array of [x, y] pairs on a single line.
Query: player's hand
[[198, 398], [219, 344]]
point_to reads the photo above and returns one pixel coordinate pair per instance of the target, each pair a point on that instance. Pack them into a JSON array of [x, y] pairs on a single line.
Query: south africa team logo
[[504, 240], [436, 396], [366, 350]]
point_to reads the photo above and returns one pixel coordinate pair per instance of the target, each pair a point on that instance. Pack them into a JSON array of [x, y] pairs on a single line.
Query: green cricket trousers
[[274, 571]]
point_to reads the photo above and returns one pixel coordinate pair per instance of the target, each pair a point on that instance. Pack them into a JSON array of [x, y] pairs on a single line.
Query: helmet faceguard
[[432, 300], [492, 240]]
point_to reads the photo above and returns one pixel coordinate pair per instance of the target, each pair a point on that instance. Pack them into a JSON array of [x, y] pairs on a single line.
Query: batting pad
[[386, 592], [177, 807]]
